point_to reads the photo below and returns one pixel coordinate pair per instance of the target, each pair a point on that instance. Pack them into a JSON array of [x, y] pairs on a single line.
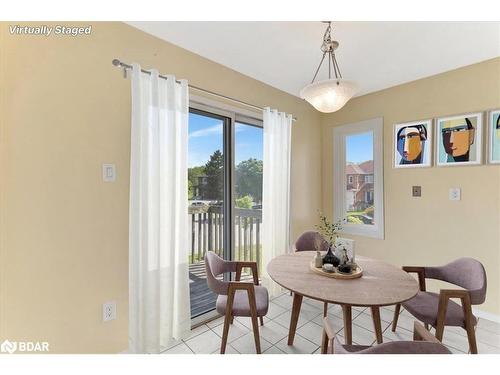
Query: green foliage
[[214, 169], [249, 179], [244, 202], [370, 211], [193, 174], [190, 190], [328, 229], [354, 220]]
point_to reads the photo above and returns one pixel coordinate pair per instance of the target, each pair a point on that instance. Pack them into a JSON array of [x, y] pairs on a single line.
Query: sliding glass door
[[248, 145], [206, 194], [225, 195]]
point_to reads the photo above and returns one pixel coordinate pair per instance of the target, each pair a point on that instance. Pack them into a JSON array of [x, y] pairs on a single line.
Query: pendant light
[[332, 94]]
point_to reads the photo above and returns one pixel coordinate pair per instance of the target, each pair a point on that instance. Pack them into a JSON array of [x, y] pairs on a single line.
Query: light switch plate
[[109, 311], [108, 173], [416, 191], [455, 194]]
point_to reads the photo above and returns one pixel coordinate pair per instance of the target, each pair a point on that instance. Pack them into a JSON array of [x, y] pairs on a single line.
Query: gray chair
[[308, 241], [236, 298], [423, 343], [439, 310]]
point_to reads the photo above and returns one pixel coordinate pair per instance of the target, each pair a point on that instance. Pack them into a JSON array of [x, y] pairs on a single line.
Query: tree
[[249, 179], [244, 202], [190, 190], [193, 174], [214, 170]]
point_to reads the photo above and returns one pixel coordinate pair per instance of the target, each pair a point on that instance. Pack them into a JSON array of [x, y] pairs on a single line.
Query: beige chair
[[423, 343], [236, 298]]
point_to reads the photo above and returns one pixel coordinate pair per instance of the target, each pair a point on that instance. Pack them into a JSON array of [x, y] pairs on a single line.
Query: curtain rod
[[126, 66]]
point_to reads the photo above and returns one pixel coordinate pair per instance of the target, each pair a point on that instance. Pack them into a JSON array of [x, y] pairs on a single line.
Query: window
[[358, 152]]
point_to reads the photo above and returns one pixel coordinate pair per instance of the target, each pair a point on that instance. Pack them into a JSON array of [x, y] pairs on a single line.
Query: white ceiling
[[375, 54]]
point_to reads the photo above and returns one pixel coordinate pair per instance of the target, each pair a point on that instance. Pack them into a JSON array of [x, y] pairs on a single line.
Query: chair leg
[[324, 343], [232, 320], [439, 331], [261, 318], [256, 335], [469, 325], [426, 325], [228, 318], [255, 325], [396, 316], [471, 336], [225, 332], [325, 309]]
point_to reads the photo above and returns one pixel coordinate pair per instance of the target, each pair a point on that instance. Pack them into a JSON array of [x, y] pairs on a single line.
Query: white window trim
[[339, 177]]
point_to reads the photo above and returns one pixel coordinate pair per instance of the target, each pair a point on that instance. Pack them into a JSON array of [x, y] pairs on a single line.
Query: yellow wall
[[65, 110], [431, 230]]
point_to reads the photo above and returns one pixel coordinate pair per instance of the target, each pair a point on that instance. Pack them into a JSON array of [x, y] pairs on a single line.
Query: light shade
[[330, 95]]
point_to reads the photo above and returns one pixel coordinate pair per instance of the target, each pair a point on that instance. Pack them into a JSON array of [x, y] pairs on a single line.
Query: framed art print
[[413, 144], [458, 140], [494, 137]]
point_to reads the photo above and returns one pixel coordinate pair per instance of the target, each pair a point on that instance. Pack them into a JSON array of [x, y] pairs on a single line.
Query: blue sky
[[205, 137], [359, 147]]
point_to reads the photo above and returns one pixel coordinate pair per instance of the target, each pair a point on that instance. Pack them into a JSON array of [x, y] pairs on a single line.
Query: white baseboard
[[486, 315]]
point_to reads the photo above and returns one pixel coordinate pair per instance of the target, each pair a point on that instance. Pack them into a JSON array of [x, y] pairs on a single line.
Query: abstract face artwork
[[458, 136], [459, 140], [494, 136], [413, 144]]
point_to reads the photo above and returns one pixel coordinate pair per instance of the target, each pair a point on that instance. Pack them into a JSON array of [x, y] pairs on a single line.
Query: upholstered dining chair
[[236, 298], [423, 343], [438, 310], [308, 241]]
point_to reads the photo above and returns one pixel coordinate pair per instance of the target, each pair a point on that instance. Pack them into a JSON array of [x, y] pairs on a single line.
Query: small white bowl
[[327, 267]]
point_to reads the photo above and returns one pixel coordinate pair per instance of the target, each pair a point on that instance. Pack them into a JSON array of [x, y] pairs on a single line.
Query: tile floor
[[273, 335]]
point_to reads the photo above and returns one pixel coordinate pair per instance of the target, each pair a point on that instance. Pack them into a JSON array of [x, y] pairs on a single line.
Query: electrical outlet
[[109, 311], [416, 191], [455, 194]]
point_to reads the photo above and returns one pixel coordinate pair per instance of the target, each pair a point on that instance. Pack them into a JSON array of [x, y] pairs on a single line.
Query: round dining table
[[381, 284]]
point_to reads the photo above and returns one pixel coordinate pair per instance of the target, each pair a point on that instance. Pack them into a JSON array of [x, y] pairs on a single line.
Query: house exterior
[[359, 181]]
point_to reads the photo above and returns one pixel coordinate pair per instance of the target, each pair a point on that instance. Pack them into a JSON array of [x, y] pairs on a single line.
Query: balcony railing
[[207, 228]]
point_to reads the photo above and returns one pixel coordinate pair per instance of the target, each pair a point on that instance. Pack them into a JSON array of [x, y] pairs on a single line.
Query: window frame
[[340, 182]]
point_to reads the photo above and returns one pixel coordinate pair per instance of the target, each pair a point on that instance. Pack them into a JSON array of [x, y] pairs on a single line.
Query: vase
[[331, 258]]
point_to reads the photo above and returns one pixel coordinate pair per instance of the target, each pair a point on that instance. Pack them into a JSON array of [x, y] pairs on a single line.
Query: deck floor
[[202, 298]]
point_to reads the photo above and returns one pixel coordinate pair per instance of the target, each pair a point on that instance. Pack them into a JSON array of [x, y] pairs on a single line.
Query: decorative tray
[[358, 272]]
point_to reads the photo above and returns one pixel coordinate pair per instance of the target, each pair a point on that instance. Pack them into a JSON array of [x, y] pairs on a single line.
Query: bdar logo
[[8, 347]]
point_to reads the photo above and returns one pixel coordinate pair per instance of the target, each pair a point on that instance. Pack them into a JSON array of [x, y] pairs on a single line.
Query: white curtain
[[276, 190], [159, 306]]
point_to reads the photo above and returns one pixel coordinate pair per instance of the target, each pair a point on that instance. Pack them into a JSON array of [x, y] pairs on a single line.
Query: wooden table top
[[381, 284]]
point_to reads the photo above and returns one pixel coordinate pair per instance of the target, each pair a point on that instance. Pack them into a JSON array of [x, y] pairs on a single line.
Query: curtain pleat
[[276, 190], [159, 304]]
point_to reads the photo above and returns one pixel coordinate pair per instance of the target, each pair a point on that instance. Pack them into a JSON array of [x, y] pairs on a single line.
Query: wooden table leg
[[376, 323], [347, 310], [297, 302]]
